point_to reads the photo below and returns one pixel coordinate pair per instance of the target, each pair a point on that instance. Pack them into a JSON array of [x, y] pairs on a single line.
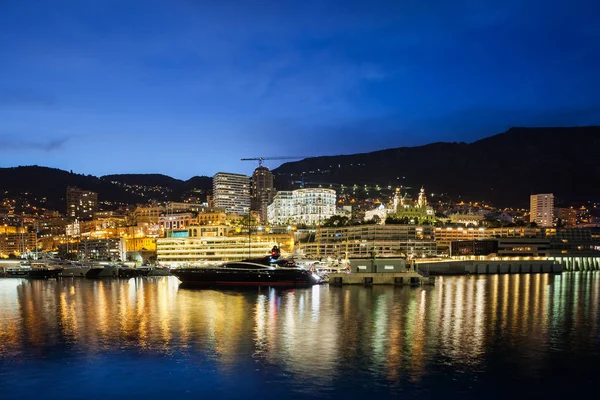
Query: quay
[[398, 271], [488, 267], [380, 278]]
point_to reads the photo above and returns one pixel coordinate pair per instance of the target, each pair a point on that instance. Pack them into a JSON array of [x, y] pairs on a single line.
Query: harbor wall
[[489, 267]]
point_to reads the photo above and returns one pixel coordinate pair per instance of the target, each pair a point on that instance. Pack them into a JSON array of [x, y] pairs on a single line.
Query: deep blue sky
[[188, 87]]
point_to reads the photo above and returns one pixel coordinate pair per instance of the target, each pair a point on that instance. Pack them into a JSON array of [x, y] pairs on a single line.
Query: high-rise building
[[231, 192], [81, 204], [262, 191], [541, 210]]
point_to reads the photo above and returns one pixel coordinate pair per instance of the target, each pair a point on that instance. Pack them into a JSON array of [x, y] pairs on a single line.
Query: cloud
[[11, 143]]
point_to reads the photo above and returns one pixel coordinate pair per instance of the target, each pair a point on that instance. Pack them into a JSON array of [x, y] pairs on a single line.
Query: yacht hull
[[75, 272], [210, 277]]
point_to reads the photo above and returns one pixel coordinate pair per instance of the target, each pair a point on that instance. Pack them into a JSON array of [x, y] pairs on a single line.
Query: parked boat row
[[67, 269], [33, 271]]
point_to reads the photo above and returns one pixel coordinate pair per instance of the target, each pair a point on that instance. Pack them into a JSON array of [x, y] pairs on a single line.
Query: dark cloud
[[13, 143]]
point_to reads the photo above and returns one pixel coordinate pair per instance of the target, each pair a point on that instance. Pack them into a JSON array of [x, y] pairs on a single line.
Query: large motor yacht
[[266, 271]]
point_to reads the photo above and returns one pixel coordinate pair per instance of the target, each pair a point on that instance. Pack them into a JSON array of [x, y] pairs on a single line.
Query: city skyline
[[292, 79]]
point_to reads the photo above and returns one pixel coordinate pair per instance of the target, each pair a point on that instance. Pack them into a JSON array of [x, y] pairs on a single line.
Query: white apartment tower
[[232, 192], [541, 210]]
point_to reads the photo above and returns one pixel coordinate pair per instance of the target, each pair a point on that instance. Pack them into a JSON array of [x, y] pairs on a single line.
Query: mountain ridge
[[504, 169]]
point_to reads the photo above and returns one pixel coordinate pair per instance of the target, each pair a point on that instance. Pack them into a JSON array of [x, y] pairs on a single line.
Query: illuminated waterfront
[[503, 335]]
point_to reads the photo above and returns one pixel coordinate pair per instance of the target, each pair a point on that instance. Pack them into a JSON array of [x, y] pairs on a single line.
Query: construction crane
[[261, 159], [302, 182]]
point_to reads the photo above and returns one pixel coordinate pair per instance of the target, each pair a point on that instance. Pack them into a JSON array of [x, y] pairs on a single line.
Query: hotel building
[[303, 206]]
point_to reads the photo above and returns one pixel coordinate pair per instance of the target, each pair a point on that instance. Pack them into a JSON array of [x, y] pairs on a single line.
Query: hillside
[[504, 168], [47, 187]]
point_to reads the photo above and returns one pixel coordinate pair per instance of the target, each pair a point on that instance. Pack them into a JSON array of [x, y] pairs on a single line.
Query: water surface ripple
[[470, 337]]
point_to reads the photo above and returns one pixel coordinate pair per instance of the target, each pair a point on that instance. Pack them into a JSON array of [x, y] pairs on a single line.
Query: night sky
[[187, 88]]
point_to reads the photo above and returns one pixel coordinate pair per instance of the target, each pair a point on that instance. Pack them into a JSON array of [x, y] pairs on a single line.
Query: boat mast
[[319, 229], [249, 237], [36, 243]]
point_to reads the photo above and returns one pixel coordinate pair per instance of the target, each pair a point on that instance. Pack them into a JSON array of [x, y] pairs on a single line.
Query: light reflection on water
[[153, 337]]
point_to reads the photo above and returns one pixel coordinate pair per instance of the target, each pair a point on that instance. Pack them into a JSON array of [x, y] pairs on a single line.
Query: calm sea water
[[469, 337]]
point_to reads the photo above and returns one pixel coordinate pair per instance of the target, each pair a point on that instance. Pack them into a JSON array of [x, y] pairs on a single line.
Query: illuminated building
[[541, 210], [413, 213], [380, 213], [524, 247], [149, 215], [445, 236], [176, 221], [207, 231], [281, 210], [177, 250], [466, 219], [568, 217], [232, 193], [474, 247], [302, 206], [363, 241], [113, 249], [212, 216], [16, 243], [81, 204], [262, 191], [139, 244]]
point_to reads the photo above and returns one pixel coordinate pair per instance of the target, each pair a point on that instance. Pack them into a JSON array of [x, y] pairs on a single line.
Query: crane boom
[[261, 159]]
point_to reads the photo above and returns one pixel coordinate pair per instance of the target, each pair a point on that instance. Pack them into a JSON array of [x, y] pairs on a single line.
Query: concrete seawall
[[490, 267]]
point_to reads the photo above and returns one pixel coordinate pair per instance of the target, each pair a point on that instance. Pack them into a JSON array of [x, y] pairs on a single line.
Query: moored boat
[[33, 271], [267, 271], [245, 273]]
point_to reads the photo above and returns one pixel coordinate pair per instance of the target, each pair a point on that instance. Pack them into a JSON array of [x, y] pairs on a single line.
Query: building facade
[[176, 251], [309, 206], [81, 204], [371, 241], [16, 243], [262, 191], [231, 192], [567, 216], [541, 210]]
